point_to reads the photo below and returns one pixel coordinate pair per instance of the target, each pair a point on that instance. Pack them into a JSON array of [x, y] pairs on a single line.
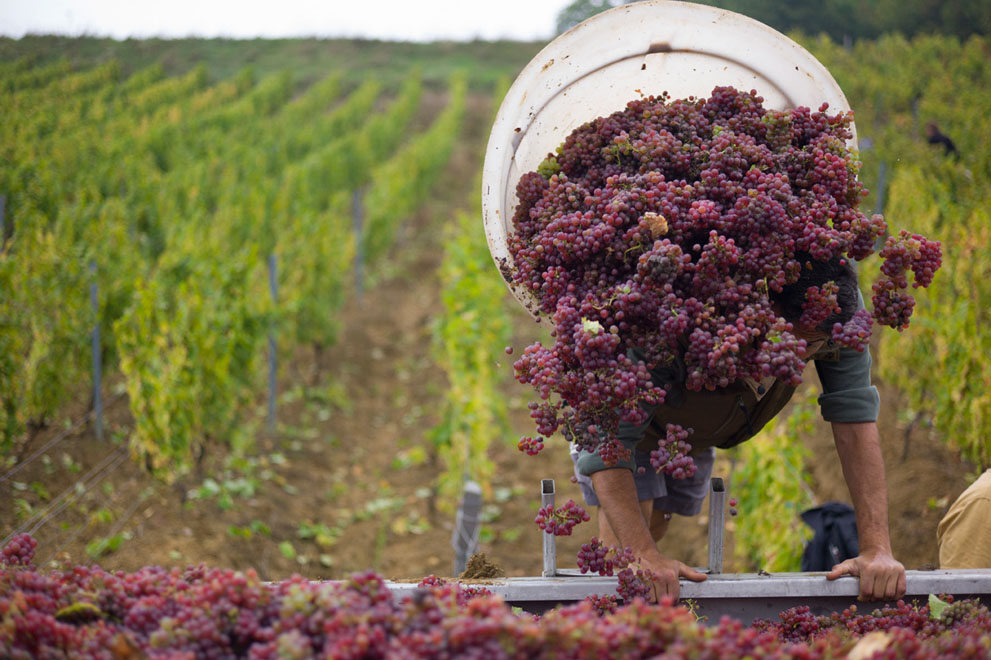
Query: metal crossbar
[[743, 596]]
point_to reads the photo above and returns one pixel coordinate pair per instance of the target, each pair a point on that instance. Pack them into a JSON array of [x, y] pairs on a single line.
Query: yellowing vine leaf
[[657, 223], [870, 644]]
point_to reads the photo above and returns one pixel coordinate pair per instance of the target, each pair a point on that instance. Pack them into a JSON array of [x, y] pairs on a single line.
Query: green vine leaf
[[591, 327], [936, 607]]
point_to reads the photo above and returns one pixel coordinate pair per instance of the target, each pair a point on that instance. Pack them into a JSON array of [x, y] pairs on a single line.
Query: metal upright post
[[465, 538], [357, 212], [882, 176], [717, 516], [550, 545], [915, 115], [94, 301], [272, 357]]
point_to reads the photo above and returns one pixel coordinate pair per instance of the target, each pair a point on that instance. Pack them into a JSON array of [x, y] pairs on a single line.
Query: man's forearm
[[859, 449], [617, 494], [882, 577]]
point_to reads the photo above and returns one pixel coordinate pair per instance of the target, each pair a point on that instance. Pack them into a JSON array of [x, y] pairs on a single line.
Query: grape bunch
[[674, 228], [671, 456], [530, 446], [906, 252], [632, 580], [19, 551], [604, 603], [964, 617], [854, 332], [561, 520], [462, 594], [596, 557], [820, 302]]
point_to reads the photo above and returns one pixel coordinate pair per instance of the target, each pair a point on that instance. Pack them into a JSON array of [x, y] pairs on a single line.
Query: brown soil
[[480, 568], [346, 481]]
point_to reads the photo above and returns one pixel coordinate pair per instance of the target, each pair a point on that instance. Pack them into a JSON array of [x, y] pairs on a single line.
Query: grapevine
[[773, 488], [473, 319], [672, 228], [205, 183]]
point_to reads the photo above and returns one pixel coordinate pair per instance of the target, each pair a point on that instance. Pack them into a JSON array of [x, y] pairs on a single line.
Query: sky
[[403, 20]]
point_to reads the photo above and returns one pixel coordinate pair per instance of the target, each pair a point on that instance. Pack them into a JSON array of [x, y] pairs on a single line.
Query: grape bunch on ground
[[668, 228]]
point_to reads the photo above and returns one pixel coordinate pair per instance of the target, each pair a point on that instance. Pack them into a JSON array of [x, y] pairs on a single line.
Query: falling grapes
[[561, 520], [530, 446]]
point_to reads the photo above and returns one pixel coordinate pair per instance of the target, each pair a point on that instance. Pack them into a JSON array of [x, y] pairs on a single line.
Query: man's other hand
[[882, 577], [666, 575]]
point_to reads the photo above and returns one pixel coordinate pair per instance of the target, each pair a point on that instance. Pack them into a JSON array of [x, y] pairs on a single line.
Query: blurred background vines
[[214, 207]]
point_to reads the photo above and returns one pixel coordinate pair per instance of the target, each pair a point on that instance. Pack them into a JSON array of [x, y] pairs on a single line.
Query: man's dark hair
[[935, 136], [816, 273]]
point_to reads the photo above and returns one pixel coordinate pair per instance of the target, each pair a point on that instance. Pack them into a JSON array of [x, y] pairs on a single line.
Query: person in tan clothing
[[964, 533]]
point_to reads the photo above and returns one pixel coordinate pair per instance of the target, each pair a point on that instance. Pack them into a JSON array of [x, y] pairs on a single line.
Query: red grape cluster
[[854, 332], [798, 624], [820, 302], [530, 446], [592, 557], [19, 551], [596, 557], [562, 520], [154, 613], [669, 228], [892, 302], [604, 603], [671, 456], [632, 581], [462, 594]]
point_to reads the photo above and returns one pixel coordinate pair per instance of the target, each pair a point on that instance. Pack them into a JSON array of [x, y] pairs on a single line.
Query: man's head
[[816, 273]]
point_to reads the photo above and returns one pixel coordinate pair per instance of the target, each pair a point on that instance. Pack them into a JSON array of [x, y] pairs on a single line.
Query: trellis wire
[[68, 496], [54, 441], [81, 528], [96, 475]]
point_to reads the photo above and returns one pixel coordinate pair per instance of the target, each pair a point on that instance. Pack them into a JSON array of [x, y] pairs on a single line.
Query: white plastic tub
[[644, 48]]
